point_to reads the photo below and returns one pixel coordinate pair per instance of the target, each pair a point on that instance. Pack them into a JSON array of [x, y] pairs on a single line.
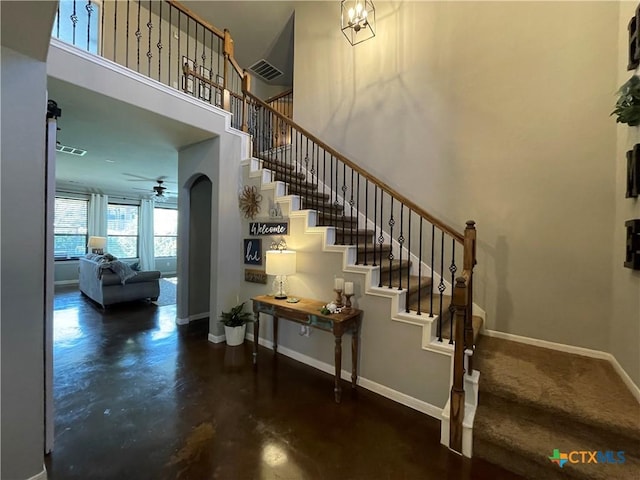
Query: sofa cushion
[[109, 278]]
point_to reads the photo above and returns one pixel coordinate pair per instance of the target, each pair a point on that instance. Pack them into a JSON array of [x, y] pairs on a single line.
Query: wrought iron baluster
[[344, 201], [74, 22], [138, 36], [115, 31], [351, 202], [324, 183], [366, 218], [420, 270], [357, 222], [401, 243], [169, 42], [409, 255], [101, 28], [203, 57], [149, 54], [433, 269], [58, 20], [375, 224], [331, 194], [126, 39], [392, 222], [452, 269], [89, 8], [381, 237], [159, 45], [441, 286]]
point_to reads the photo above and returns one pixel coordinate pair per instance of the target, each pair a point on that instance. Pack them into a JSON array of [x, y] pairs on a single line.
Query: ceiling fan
[[159, 189]]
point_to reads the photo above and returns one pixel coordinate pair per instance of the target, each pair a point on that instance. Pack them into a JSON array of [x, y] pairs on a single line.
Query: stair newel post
[[246, 87], [228, 52], [469, 263], [456, 414]]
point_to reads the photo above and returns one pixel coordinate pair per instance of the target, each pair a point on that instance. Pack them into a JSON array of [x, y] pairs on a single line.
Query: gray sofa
[[103, 286]]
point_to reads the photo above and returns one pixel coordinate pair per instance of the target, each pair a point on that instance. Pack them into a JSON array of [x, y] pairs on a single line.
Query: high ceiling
[[129, 148]]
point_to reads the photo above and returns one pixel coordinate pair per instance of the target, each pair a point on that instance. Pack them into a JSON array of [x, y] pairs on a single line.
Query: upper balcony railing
[[161, 39]]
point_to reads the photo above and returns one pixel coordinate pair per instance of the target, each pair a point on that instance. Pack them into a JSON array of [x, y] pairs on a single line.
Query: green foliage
[[236, 317], [627, 107]]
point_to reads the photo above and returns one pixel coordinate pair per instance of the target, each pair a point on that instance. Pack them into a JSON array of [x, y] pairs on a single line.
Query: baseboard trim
[[66, 282], [585, 352], [191, 318], [216, 338], [383, 390], [40, 476]]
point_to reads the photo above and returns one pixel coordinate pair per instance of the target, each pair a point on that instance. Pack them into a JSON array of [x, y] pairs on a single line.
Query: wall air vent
[[70, 150], [265, 70]]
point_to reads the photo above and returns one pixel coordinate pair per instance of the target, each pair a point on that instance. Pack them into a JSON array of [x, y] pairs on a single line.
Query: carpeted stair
[[534, 400]]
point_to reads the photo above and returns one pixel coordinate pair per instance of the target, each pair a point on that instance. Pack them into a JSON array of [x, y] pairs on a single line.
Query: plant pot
[[235, 335]]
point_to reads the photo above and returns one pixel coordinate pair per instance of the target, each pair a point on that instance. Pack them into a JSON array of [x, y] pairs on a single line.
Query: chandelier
[[358, 20]]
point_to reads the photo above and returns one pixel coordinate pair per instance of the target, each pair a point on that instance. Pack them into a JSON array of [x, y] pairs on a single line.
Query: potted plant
[[235, 324], [627, 108]]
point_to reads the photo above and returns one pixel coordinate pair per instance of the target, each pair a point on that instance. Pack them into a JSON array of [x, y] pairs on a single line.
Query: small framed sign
[[255, 276], [252, 251], [268, 228]]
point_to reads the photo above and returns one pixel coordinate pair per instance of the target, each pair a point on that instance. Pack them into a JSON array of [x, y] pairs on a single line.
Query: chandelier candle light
[[358, 20]]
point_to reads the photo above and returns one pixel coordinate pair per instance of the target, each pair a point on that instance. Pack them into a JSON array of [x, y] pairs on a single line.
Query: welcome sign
[[268, 228]]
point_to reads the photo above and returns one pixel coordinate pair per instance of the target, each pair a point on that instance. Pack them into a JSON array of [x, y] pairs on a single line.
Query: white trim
[[216, 338], [40, 476], [66, 282], [585, 352], [191, 318], [383, 390]]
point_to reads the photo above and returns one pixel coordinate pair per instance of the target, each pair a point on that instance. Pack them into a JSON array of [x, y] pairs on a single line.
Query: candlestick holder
[[347, 302], [338, 300]]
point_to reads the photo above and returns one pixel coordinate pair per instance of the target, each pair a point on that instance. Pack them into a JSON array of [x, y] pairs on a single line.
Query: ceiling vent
[[70, 150], [265, 70]]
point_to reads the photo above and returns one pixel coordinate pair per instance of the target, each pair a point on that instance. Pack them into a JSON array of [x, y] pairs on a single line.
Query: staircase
[[535, 400], [394, 273]]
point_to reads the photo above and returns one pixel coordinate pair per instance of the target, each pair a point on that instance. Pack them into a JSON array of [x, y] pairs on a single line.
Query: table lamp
[[280, 263], [97, 244]]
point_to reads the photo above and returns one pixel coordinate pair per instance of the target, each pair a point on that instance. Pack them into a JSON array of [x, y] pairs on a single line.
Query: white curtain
[[98, 205], [145, 236]]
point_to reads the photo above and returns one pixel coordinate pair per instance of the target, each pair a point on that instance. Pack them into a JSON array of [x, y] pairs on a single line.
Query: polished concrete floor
[[138, 398]]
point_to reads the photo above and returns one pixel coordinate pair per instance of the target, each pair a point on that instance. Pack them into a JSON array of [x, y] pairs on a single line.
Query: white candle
[[339, 284], [348, 288]]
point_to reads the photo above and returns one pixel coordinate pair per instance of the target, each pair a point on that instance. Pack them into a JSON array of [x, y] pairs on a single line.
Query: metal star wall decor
[[250, 201]]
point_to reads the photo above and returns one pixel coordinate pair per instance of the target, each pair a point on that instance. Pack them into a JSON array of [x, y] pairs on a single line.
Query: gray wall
[[503, 119], [23, 214]]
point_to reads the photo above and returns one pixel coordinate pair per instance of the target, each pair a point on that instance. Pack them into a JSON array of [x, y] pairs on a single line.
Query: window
[[122, 230], [69, 228], [165, 235], [84, 32]]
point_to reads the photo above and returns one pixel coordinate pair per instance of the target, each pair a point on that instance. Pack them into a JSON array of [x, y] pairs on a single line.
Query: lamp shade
[[280, 262], [97, 242]]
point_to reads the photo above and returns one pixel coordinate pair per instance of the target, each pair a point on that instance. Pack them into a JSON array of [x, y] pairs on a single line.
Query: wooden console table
[[307, 312]]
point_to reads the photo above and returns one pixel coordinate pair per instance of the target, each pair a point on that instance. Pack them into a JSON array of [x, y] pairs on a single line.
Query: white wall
[[494, 111], [23, 219], [625, 316]]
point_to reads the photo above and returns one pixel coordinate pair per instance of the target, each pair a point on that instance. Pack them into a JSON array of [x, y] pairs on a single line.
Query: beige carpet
[[534, 400]]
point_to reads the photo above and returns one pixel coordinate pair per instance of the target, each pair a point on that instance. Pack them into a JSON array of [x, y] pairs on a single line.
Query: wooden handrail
[[279, 96], [458, 236], [219, 33], [237, 68]]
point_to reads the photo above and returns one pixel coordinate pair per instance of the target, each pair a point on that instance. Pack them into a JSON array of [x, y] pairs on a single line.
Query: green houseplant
[[235, 324], [627, 108]]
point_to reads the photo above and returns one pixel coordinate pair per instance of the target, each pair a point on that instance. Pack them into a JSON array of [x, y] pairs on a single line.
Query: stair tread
[[538, 376], [286, 175], [523, 445], [273, 161], [425, 304]]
